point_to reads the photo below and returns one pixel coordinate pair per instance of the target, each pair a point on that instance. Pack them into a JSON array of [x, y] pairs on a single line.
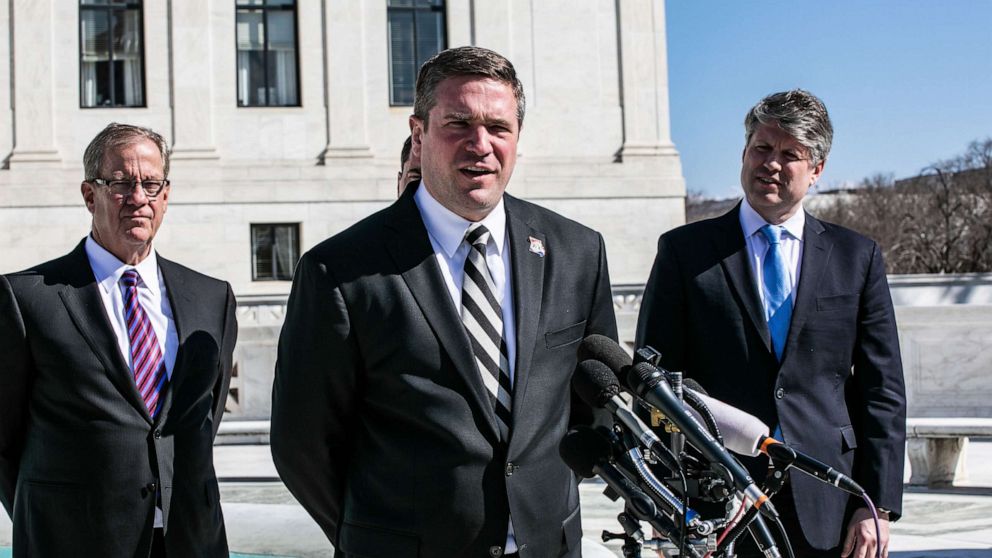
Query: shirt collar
[[751, 222], [107, 269], [448, 229]]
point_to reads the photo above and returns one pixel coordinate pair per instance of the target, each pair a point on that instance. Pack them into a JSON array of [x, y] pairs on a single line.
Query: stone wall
[[945, 331]]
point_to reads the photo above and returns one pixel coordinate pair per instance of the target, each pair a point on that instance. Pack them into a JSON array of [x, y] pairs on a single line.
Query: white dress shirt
[[152, 296], [446, 231], [791, 245]]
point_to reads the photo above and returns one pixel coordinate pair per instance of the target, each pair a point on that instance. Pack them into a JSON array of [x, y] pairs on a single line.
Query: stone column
[[192, 80], [345, 52], [644, 75], [34, 84]]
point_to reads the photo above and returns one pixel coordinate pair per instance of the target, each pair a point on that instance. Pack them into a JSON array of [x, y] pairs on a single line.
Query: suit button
[[152, 487], [779, 393], [510, 468], [495, 551], [157, 434]]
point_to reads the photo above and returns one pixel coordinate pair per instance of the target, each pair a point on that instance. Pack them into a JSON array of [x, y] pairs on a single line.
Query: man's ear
[[817, 171], [86, 189], [416, 134]]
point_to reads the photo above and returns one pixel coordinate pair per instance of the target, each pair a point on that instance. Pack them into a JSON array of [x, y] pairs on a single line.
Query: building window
[[416, 32], [111, 54], [274, 251], [267, 64]]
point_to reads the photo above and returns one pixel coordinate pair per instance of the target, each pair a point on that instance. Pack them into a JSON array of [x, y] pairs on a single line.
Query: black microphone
[[597, 386], [588, 453], [789, 457], [648, 383], [605, 350], [745, 434]]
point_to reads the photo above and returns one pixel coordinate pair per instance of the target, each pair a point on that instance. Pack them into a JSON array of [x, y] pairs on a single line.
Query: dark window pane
[[266, 55], [111, 61], [403, 66], [275, 251], [416, 32]]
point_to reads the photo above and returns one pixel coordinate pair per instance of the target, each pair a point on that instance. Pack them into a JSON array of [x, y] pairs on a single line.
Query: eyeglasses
[[124, 187]]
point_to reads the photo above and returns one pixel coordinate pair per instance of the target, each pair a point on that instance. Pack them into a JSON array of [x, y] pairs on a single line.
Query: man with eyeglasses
[[115, 371]]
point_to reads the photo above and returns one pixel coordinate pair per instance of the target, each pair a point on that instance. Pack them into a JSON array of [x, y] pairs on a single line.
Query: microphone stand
[[774, 482]]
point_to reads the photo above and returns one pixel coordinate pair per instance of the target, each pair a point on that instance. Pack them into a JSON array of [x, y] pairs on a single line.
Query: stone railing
[[945, 329]]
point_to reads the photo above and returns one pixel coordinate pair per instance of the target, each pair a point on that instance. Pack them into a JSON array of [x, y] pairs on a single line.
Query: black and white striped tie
[[483, 320]]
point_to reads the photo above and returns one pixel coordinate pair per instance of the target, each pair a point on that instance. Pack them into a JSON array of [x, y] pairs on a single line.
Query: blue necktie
[[775, 275]]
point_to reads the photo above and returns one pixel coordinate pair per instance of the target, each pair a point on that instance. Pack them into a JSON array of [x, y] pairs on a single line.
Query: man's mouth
[[475, 172], [766, 180]]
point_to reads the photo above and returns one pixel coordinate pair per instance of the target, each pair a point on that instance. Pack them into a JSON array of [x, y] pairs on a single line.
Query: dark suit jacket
[[80, 457], [838, 393], [381, 426]]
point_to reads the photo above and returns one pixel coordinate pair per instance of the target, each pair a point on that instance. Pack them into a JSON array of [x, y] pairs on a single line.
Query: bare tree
[[937, 222]]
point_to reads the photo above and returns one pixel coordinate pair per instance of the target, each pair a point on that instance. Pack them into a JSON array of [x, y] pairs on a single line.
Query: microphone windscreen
[[741, 431], [584, 448], [602, 348], [689, 383], [595, 383]]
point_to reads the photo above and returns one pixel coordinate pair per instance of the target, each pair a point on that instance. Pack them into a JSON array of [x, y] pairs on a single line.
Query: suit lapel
[[82, 300], [413, 254], [739, 274], [815, 261], [528, 290], [183, 311]]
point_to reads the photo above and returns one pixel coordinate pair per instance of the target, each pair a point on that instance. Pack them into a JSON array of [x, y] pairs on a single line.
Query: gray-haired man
[[789, 318], [116, 365]]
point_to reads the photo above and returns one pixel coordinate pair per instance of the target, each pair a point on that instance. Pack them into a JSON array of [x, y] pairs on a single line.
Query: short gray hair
[[799, 113], [465, 61], [115, 136]]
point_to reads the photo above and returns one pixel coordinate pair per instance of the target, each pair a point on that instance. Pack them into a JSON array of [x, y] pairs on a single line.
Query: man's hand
[[861, 535]]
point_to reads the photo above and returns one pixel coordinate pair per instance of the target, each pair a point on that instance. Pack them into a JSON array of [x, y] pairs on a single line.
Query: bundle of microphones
[[653, 477]]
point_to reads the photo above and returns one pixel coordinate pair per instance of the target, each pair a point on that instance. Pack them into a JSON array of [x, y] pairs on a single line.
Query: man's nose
[[772, 161], [479, 142]]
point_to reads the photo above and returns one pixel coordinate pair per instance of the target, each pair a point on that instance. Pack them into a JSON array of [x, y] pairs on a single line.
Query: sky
[[906, 82]]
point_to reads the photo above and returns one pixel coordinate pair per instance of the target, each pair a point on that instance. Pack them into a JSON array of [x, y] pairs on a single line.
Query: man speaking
[[422, 383], [789, 318]]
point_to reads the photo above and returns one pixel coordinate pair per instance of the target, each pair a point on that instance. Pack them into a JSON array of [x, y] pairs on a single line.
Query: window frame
[[265, 8], [254, 254], [443, 8], [108, 8]]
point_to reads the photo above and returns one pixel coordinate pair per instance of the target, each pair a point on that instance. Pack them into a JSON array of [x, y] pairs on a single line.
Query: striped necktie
[[483, 320], [146, 354], [778, 290]]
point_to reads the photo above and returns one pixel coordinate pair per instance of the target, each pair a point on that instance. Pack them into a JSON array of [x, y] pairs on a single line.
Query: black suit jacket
[[838, 393], [80, 457], [381, 426]]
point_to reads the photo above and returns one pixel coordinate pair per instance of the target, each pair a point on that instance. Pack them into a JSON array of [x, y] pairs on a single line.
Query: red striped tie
[[146, 355]]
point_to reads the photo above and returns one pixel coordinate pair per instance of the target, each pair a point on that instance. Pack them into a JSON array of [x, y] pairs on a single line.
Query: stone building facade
[[595, 144]]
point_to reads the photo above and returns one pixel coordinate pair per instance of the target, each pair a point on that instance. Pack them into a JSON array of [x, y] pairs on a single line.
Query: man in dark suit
[[423, 378], [789, 318], [115, 371]]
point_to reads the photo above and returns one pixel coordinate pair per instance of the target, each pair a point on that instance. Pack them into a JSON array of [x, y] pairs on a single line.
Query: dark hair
[[464, 61], [405, 152], [115, 136], [801, 114]]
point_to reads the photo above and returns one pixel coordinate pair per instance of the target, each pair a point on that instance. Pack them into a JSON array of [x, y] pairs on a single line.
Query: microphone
[[597, 386], [648, 383], [745, 434], [783, 454], [588, 453], [742, 432], [605, 350]]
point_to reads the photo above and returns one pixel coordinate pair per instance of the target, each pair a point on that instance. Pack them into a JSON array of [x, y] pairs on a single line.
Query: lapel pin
[[536, 246]]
